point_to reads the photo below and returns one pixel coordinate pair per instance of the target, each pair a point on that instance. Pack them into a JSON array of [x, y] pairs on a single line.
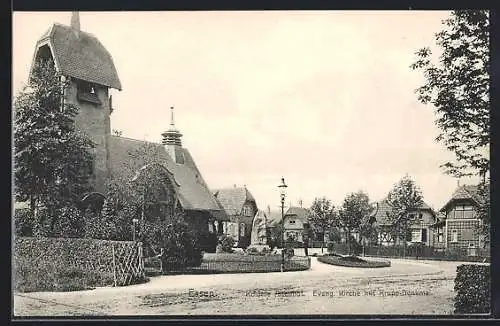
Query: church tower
[[89, 75]]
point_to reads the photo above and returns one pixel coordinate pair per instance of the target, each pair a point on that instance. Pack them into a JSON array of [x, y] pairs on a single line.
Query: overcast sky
[[324, 99]]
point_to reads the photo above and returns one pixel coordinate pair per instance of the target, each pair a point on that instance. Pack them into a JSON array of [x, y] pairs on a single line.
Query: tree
[[404, 198], [458, 88], [484, 209], [52, 161], [355, 209], [322, 217]]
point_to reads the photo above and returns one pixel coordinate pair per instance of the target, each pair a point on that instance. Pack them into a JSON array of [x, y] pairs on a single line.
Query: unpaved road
[[407, 287]]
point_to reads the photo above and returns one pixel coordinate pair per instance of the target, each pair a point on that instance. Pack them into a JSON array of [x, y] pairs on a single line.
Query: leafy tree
[[458, 87], [275, 236], [179, 243], [355, 209], [52, 161], [322, 217], [404, 198], [484, 209]]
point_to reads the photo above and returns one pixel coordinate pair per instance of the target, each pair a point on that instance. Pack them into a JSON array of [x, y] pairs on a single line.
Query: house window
[[242, 229], [463, 211], [292, 222], [454, 236], [416, 235], [247, 211], [440, 235], [424, 235]]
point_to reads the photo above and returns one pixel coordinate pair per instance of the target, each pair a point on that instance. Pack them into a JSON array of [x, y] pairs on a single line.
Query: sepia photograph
[[250, 163]]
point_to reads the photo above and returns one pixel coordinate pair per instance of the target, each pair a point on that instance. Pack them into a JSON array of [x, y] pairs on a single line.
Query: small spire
[[172, 116], [75, 21]]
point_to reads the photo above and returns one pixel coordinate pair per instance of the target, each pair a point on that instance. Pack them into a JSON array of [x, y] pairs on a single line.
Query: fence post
[[114, 262]]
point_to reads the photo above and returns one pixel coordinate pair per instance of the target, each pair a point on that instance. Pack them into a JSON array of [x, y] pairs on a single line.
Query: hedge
[[473, 289], [352, 261], [238, 263], [62, 264]]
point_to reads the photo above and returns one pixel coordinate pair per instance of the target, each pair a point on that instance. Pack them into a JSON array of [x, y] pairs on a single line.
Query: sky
[[324, 99]]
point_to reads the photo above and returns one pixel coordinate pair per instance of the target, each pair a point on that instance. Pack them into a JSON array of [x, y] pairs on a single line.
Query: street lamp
[[282, 187], [134, 222]]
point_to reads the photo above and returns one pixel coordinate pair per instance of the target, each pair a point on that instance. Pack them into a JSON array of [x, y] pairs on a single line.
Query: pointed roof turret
[[172, 136]]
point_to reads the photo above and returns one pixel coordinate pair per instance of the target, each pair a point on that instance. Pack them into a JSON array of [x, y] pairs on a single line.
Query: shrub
[[207, 241], [68, 222], [289, 253], [179, 244], [24, 222], [226, 243], [330, 247], [473, 289], [266, 250], [354, 246], [252, 250]]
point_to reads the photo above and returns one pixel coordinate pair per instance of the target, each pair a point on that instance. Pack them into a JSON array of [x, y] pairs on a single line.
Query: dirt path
[[407, 287]]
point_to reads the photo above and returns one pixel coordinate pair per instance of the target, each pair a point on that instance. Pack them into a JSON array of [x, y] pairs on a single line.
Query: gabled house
[[421, 230], [89, 76], [240, 206], [459, 226], [295, 223]]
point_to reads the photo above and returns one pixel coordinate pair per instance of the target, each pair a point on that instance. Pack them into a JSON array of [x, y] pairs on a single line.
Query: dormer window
[[87, 93]]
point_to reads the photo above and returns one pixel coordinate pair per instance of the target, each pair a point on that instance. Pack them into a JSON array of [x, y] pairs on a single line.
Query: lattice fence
[[123, 266]]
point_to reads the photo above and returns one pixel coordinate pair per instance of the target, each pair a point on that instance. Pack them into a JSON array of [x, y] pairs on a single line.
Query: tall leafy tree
[[52, 161], [322, 217], [404, 198], [354, 210], [458, 87]]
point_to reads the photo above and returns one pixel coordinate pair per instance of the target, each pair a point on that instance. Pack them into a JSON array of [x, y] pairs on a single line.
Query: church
[[89, 76]]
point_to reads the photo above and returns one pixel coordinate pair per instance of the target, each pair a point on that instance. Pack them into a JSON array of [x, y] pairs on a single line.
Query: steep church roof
[[233, 199], [193, 192], [80, 55]]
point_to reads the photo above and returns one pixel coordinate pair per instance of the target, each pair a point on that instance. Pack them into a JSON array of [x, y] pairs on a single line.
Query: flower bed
[[238, 263], [353, 261]]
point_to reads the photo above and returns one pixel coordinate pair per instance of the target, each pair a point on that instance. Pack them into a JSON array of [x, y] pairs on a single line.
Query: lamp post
[[282, 187], [134, 222]]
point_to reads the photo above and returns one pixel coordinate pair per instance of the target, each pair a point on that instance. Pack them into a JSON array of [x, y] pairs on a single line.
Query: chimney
[[75, 22]]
